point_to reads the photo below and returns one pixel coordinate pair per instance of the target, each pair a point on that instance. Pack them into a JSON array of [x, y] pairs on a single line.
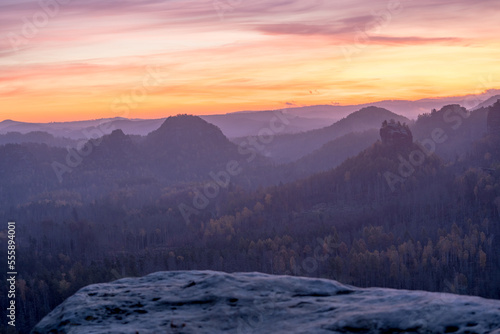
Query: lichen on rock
[[214, 302]]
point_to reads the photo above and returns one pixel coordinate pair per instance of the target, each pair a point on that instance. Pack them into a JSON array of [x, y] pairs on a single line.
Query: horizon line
[[271, 110]]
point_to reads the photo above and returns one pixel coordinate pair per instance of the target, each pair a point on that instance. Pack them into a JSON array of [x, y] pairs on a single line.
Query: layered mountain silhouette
[[114, 151], [245, 123], [288, 148], [494, 118], [488, 103], [364, 206], [453, 129], [184, 149], [486, 151], [188, 147], [330, 155], [40, 137]]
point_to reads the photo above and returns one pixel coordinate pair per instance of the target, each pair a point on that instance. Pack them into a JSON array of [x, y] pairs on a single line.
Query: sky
[[66, 60]]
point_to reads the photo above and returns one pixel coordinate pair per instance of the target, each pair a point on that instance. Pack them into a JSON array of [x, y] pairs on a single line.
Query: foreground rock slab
[[213, 302]]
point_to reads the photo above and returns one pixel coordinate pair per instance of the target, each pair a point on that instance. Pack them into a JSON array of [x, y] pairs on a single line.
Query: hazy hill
[[232, 125], [246, 123], [409, 109], [188, 147], [291, 147], [457, 128], [486, 151], [35, 137], [493, 118], [242, 124], [139, 127], [331, 154], [390, 216], [184, 149], [115, 151], [73, 130], [488, 103], [32, 173]]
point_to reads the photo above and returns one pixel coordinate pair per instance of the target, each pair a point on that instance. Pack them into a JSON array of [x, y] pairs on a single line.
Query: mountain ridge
[[291, 147], [307, 118]]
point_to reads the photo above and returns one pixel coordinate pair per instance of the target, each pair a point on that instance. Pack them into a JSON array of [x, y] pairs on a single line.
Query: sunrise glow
[[71, 60]]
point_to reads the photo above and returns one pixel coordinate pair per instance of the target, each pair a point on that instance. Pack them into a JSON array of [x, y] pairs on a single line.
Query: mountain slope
[[488, 103], [185, 149], [410, 109], [213, 302], [32, 172], [72, 130], [331, 154], [243, 124], [287, 148], [188, 148], [35, 137], [113, 151], [458, 128]]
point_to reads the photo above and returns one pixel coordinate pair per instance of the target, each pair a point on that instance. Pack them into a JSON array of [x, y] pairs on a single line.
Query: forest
[[397, 213]]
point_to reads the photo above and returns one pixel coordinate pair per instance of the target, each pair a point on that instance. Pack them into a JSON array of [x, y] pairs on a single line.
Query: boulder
[[214, 302]]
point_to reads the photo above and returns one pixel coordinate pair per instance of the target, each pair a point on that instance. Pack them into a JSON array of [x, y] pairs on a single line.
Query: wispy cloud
[[262, 53], [413, 40]]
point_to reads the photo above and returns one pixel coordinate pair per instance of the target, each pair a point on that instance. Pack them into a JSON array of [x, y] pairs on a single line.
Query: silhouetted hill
[[35, 137], [451, 130], [184, 149], [130, 126], [186, 130], [391, 216], [25, 170], [493, 120], [114, 151], [188, 147], [486, 153], [243, 124], [73, 130], [287, 148], [488, 103], [486, 150]]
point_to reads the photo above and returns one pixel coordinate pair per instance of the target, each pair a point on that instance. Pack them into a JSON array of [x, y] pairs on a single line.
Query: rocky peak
[[395, 133]]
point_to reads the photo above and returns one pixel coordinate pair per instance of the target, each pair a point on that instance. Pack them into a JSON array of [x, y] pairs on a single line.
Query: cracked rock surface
[[213, 302]]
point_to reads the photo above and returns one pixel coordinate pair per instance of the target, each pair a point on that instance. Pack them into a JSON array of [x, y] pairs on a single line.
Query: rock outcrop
[[397, 134], [212, 302]]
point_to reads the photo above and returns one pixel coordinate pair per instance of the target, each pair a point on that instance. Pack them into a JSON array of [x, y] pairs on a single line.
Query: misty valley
[[374, 199]]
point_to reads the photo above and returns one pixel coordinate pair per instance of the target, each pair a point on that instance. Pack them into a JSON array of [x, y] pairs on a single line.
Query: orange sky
[[151, 58]]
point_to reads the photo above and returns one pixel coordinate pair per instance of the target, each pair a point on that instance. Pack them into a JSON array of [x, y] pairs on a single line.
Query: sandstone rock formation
[[213, 302], [393, 133]]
